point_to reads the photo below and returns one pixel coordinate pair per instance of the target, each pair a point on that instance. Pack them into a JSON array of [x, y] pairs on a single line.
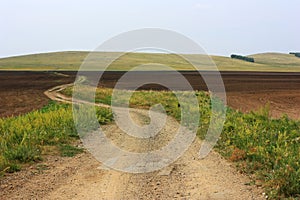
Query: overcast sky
[[221, 27]]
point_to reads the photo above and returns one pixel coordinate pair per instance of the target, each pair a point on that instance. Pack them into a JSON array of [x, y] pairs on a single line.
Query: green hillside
[[73, 59], [278, 59]]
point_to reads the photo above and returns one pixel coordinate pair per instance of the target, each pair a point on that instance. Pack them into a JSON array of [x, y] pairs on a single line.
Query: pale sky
[[221, 27]]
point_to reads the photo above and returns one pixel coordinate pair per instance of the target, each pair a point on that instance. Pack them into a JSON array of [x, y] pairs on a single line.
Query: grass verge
[[27, 138]]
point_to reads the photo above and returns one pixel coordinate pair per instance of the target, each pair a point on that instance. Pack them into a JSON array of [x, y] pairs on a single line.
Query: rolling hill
[[279, 60], [71, 60]]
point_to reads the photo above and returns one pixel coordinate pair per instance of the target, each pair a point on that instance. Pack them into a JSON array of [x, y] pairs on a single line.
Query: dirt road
[[83, 177]]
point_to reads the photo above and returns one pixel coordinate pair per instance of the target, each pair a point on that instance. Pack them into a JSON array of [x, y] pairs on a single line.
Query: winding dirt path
[[83, 177]]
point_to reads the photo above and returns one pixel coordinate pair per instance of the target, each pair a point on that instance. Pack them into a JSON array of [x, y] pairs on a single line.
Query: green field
[[72, 60]]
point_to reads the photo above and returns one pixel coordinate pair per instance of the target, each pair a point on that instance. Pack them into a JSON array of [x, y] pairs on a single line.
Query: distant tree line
[[297, 54], [245, 58]]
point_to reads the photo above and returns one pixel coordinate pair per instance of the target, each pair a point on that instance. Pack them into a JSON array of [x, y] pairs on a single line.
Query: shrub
[[295, 53], [248, 59]]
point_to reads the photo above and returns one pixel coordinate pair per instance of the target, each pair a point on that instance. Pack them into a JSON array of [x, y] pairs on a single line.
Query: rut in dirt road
[[186, 178]]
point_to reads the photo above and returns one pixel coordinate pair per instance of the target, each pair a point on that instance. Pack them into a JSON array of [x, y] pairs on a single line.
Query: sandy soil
[[83, 177]]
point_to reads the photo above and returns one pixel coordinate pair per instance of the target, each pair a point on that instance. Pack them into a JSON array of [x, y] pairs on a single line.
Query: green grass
[[73, 59], [69, 150], [267, 149], [27, 138]]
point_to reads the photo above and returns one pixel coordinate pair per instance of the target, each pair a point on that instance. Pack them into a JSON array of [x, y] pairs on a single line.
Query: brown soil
[[278, 102], [22, 92], [246, 91]]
